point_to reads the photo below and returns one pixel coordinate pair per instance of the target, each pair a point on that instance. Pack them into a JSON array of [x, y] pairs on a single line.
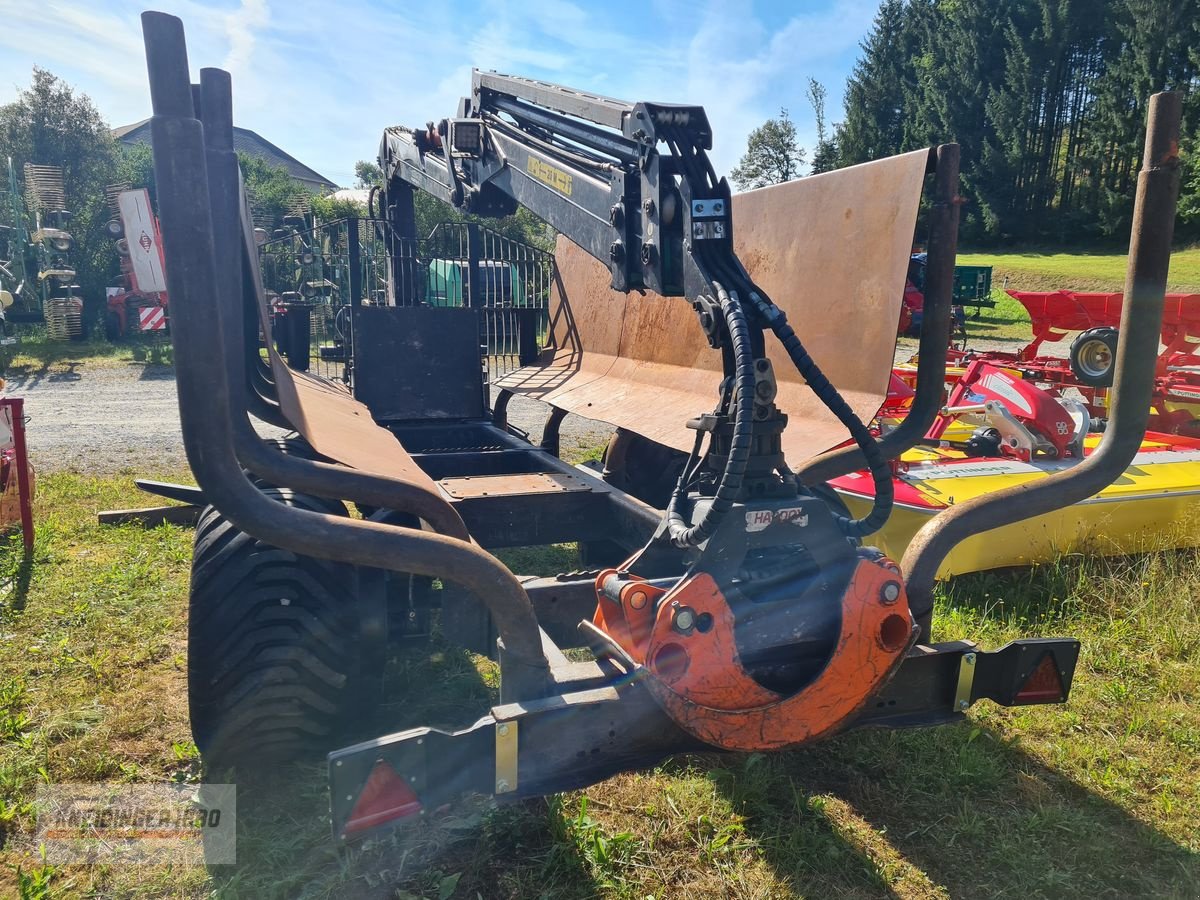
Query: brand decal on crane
[[547, 174]]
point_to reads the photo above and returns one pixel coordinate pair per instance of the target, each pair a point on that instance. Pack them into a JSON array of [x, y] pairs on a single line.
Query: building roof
[[244, 141]]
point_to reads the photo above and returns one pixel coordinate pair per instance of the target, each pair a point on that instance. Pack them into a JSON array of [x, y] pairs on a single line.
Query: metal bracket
[[506, 757], [966, 681]]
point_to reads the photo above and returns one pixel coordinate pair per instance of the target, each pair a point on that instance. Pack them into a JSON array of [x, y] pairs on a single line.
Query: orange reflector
[[1044, 684], [384, 798]]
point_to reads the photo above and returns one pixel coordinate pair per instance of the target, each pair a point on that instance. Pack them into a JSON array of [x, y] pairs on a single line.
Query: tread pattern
[[274, 671]]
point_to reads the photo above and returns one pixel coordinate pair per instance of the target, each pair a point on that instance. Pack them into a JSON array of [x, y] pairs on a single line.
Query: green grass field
[[1096, 798], [1031, 271]]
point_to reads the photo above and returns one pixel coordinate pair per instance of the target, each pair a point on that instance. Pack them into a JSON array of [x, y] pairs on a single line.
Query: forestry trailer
[[749, 614]]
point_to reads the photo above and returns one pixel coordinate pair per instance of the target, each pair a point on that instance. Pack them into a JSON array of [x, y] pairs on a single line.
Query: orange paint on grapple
[[698, 679]]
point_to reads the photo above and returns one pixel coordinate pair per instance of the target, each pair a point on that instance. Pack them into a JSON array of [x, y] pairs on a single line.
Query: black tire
[[1094, 356], [276, 670]]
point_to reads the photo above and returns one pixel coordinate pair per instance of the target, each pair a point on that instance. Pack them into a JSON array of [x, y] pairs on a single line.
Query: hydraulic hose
[[697, 167], [741, 443], [881, 473]]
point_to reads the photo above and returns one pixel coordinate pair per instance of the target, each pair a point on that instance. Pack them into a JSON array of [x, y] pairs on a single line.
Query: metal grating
[[44, 189], [458, 265]]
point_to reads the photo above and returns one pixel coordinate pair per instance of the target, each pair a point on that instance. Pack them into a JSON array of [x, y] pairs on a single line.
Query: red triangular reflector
[[384, 798], [1044, 684]]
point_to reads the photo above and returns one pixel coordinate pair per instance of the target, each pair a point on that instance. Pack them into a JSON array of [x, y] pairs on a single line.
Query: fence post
[[354, 261], [473, 295]]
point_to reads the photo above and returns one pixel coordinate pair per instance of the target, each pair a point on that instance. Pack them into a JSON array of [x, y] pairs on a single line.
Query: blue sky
[[323, 79]]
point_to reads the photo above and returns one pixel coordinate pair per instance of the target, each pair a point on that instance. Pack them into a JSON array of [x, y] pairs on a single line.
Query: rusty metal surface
[[472, 486], [831, 250]]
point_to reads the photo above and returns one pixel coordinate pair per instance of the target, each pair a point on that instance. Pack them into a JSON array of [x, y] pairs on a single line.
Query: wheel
[[1093, 356], [277, 669]]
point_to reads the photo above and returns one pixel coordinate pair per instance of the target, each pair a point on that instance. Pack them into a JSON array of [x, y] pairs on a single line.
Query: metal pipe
[[935, 330], [204, 392], [1133, 385], [312, 477]]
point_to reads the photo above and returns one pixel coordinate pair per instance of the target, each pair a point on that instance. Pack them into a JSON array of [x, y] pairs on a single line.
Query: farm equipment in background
[[61, 304], [21, 291], [16, 472], [1000, 429], [1088, 367], [138, 303], [746, 616], [972, 287]]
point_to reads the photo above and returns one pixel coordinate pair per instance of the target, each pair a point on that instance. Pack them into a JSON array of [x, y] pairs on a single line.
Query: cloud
[[322, 80], [241, 26]]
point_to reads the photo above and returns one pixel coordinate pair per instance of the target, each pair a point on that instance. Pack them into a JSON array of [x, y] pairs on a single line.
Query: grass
[[1096, 798], [1035, 271], [35, 354]]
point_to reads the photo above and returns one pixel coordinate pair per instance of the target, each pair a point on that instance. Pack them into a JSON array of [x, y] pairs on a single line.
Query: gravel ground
[[105, 417]]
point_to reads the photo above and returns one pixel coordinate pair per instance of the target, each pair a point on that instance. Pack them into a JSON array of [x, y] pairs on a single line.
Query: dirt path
[[105, 417]]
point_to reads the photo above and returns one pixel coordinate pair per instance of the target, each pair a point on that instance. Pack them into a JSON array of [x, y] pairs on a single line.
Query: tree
[[367, 174], [825, 156], [273, 192], [50, 125], [879, 86], [772, 155]]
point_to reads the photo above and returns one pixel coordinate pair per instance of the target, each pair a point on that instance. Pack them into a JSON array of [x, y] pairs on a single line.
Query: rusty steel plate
[[831, 250], [334, 424], [470, 487]]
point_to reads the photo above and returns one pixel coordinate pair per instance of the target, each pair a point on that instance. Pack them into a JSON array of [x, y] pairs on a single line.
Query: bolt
[[503, 730], [699, 208], [420, 741], [969, 659], [890, 592], [501, 786], [338, 763], [648, 206], [637, 599], [617, 252], [616, 216], [285, 601], [963, 704], [718, 207], [763, 389], [684, 619], [349, 797]]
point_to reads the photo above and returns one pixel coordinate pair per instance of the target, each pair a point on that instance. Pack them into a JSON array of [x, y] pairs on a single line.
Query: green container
[[973, 286], [499, 284]]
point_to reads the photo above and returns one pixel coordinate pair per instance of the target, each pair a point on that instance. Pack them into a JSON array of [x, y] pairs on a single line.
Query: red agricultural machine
[[749, 614], [137, 304], [1089, 366]]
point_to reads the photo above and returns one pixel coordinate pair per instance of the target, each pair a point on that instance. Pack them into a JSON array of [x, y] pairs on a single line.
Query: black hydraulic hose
[[741, 443], [877, 464], [881, 473]]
